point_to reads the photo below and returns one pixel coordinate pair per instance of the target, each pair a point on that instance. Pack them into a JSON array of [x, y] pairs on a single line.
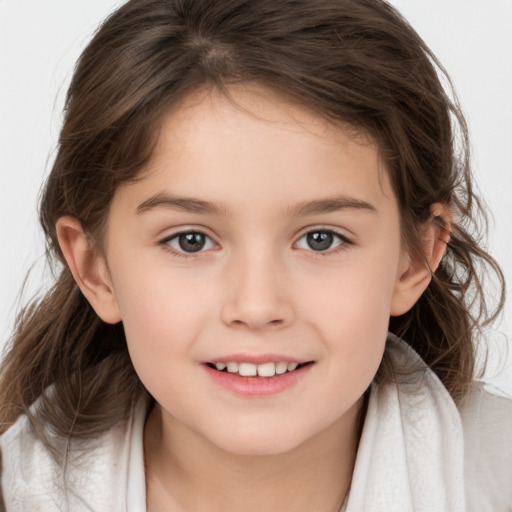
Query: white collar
[[411, 455]]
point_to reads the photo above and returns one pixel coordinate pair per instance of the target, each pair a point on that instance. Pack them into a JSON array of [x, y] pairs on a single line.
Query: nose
[[256, 294]]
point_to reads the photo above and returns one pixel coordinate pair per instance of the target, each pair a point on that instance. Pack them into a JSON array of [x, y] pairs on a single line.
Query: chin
[[253, 442], [258, 447]]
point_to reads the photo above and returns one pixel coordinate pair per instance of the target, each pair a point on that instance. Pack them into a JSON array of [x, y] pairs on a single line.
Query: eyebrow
[[194, 205], [183, 204], [329, 205]]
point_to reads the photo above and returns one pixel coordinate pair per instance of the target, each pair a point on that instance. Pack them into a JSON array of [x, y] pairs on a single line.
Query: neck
[[184, 472]]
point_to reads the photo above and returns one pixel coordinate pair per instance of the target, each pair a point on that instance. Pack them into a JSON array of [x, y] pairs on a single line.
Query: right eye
[[189, 242], [322, 240]]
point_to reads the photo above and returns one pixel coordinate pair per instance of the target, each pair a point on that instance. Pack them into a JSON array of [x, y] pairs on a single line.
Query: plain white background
[[40, 41]]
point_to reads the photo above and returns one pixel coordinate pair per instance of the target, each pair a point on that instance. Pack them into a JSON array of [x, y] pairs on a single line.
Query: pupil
[[191, 242], [320, 240]]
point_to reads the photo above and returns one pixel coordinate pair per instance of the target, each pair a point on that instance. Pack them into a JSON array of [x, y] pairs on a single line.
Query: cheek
[[357, 294], [161, 325], [350, 313], [162, 314]]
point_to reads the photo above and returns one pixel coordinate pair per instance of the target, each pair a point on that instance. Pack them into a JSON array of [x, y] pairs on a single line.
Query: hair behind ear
[[445, 324], [79, 366]]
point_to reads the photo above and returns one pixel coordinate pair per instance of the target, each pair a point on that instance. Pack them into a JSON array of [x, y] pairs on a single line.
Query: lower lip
[[258, 386]]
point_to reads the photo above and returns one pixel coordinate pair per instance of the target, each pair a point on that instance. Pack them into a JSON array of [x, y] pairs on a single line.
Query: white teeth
[[281, 368], [262, 370], [232, 367], [247, 369], [266, 370]]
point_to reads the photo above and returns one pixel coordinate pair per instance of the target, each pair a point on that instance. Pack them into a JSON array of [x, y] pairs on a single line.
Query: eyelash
[[344, 242]]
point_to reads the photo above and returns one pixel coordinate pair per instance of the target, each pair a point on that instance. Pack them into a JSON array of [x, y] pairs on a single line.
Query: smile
[[267, 370], [258, 378]]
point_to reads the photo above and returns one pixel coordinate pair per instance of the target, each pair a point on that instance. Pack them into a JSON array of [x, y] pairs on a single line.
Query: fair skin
[[248, 181]]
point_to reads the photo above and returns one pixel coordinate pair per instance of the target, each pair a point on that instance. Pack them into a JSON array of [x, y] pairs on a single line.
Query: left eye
[[321, 240], [190, 242]]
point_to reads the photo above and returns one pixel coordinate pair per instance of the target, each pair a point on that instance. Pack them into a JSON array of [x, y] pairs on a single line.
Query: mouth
[[266, 370]]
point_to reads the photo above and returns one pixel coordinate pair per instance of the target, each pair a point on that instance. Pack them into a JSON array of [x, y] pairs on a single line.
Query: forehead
[[249, 113], [252, 142]]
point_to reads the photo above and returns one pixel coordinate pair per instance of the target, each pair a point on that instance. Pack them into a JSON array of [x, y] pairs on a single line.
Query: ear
[[415, 272], [89, 269]]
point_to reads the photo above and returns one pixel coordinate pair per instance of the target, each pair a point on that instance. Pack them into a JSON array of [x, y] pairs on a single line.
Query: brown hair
[[352, 61]]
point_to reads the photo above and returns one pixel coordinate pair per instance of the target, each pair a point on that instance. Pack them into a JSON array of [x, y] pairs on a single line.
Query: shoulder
[[29, 471], [78, 475], [487, 426]]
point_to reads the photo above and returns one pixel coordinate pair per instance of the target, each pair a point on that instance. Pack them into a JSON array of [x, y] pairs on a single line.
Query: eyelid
[[173, 231], [341, 232]]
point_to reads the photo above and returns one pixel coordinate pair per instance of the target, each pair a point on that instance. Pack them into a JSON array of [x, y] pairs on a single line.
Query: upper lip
[[257, 359]]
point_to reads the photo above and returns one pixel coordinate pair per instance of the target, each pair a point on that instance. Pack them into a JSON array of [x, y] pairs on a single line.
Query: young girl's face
[[260, 235]]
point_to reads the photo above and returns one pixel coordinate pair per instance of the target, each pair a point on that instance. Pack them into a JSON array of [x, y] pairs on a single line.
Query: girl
[[247, 197]]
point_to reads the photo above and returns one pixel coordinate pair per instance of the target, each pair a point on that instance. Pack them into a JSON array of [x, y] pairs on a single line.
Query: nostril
[[238, 323], [253, 312], [255, 324]]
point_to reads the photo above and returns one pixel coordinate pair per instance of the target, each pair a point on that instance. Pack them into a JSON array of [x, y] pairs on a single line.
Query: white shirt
[[417, 452]]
